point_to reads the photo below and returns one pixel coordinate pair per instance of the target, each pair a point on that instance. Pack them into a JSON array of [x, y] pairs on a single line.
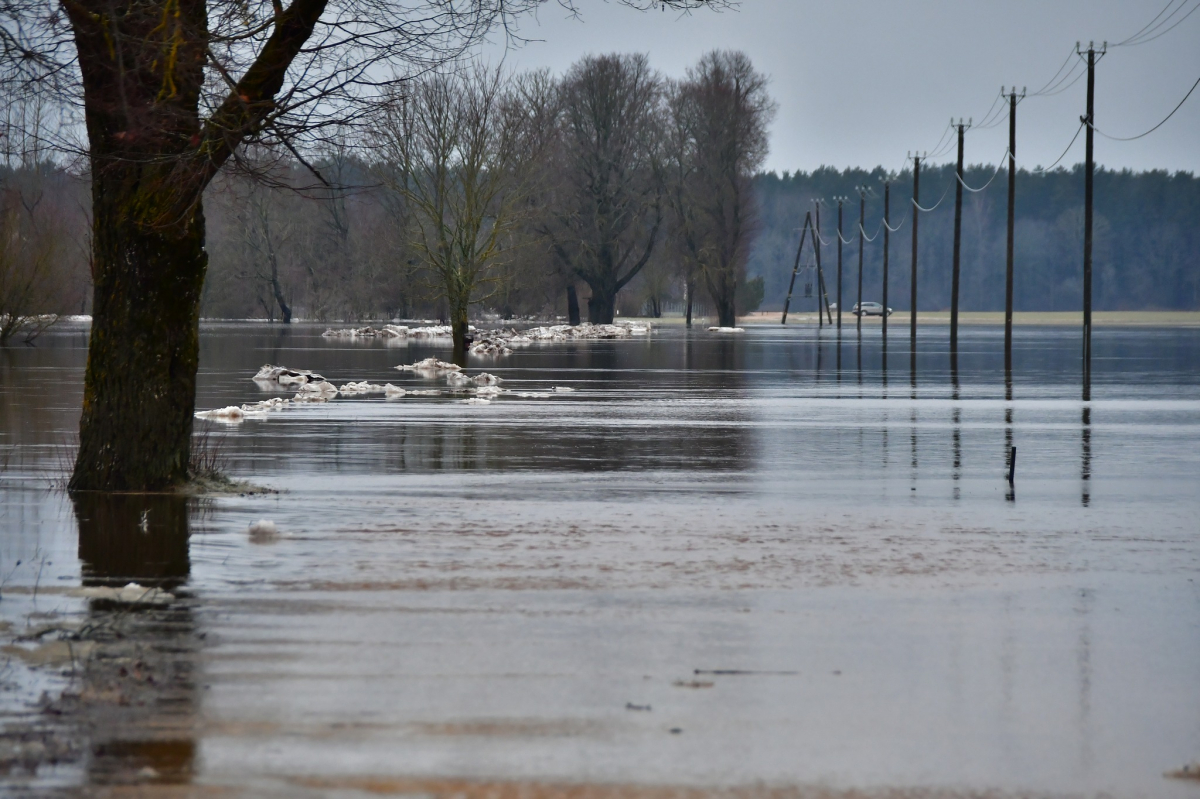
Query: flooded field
[[749, 564]]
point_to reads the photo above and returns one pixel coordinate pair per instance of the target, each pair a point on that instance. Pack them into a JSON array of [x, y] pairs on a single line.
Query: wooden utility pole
[[840, 200], [823, 297], [887, 193], [1089, 175], [862, 213], [912, 302], [1013, 99], [796, 266], [954, 281]]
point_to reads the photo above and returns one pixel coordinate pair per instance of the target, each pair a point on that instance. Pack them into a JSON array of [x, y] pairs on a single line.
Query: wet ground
[[756, 564]]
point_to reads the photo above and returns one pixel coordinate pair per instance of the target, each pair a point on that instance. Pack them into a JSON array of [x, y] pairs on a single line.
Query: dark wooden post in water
[[912, 301], [862, 213], [954, 281], [1012, 191], [887, 194], [796, 267], [1089, 174]]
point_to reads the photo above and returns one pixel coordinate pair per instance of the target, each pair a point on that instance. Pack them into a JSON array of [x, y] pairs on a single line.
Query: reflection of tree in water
[[136, 701]]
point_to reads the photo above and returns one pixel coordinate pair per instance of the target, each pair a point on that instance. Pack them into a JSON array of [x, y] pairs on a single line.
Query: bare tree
[[720, 114], [170, 90], [605, 215], [460, 143]]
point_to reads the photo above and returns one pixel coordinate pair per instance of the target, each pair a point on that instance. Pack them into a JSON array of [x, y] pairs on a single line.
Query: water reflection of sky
[[479, 590]]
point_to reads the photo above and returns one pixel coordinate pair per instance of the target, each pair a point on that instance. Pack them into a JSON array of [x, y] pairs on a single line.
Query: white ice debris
[[532, 394], [429, 366], [231, 414], [392, 331], [726, 330], [262, 531], [130, 594], [457, 379], [321, 390], [477, 401], [393, 392], [561, 388], [485, 379], [489, 391], [361, 388], [286, 377]]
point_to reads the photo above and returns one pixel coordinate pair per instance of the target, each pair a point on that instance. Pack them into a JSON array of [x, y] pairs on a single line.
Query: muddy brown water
[[756, 564]]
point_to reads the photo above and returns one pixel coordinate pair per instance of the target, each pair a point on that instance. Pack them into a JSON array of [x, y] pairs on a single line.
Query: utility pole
[[840, 200], [912, 302], [862, 213], [823, 297], [958, 197], [1089, 174], [887, 193], [1013, 99], [796, 266]]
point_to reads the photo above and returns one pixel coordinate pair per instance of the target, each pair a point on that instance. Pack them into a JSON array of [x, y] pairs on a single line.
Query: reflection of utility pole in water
[[887, 194], [1085, 473], [1011, 496], [956, 422], [862, 234], [1083, 658]]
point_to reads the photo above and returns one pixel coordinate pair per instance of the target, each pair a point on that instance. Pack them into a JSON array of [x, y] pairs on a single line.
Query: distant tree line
[[1147, 239]]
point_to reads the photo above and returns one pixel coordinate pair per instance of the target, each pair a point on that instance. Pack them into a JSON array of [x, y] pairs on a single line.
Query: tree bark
[[572, 305], [602, 306], [691, 290], [140, 385]]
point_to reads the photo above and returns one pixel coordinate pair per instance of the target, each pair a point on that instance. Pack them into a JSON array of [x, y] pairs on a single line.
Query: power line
[[1064, 153], [1156, 127], [923, 209], [1148, 24], [993, 177], [1147, 38]]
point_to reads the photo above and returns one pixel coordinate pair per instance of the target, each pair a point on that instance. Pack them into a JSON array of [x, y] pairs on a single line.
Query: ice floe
[[392, 331], [727, 330], [561, 388], [322, 389], [429, 366], [263, 531], [132, 593], [286, 377], [362, 388]]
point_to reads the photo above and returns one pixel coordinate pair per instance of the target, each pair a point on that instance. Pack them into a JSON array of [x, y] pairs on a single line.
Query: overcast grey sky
[[862, 82]]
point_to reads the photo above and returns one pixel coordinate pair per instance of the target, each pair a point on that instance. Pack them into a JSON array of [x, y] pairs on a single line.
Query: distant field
[[1099, 318]]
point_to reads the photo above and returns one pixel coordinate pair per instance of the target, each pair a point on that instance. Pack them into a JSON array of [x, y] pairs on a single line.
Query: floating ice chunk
[[477, 401], [286, 377], [130, 594], [361, 388], [533, 394], [429, 366], [561, 388], [489, 391], [726, 330], [322, 389], [485, 379], [230, 414], [262, 407], [424, 392], [263, 531], [393, 392], [457, 379]]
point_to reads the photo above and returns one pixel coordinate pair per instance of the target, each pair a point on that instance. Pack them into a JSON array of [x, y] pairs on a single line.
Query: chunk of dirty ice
[[429, 366], [727, 330], [477, 401], [532, 394], [457, 379], [485, 379], [263, 531], [286, 377], [489, 391], [231, 414], [393, 392], [322, 389], [361, 388], [561, 388], [132, 593]]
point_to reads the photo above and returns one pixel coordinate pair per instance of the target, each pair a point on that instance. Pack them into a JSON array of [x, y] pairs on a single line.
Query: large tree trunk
[[140, 384], [572, 305], [691, 291], [601, 307]]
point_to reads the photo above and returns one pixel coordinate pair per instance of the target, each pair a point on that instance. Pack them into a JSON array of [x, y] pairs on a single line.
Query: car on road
[[869, 309]]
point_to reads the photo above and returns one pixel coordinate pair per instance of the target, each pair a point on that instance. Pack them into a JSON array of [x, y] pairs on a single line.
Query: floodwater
[[756, 562]]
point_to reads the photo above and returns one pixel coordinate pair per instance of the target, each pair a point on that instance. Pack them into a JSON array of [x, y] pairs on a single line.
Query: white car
[[869, 309]]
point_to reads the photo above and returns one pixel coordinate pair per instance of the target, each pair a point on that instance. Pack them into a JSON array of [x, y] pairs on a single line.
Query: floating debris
[[485, 379], [231, 414], [561, 388], [1189, 772], [727, 330], [362, 388], [429, 366], [477, 401], [130, 594], [263, 531], [457, 379], [321, 390], [286, 377]]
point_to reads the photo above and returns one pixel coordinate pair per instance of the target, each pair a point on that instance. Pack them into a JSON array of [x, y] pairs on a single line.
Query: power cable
[[1070, 59], [1177, 23], [1156, 127], [899, 225], [1147, 25], [985, 185], [878, 230], [936, 204], [1064, 153]]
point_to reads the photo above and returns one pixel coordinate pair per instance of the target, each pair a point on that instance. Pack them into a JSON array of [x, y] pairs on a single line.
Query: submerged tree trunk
[[602, 307], [460, 327], [572, 305], [726, 316], [140, 385], [691, 291]]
